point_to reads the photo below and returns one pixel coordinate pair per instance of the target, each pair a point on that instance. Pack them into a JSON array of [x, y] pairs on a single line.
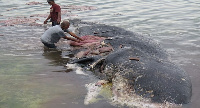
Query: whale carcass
[[136, 60]]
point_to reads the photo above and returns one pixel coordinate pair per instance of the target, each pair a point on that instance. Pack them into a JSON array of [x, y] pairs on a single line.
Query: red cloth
[[54, 12]]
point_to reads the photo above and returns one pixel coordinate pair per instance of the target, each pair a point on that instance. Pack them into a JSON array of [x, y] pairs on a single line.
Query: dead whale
[[142, 64]]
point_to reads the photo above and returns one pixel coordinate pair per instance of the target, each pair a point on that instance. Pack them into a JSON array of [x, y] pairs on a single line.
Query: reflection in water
[[54, 55], [57, 57]]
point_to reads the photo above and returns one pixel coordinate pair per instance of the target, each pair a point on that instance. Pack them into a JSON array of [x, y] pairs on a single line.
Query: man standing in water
[[55, 33], [55, 13]]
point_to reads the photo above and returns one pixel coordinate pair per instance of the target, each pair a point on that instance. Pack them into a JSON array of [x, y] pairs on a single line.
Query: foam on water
[[76, 68]]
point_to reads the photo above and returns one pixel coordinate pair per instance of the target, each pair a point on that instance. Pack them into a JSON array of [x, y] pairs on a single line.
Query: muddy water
[[33, 77]]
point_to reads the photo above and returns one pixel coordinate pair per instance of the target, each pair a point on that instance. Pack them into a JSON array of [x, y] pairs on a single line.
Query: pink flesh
[[93, 46], [88, 40]]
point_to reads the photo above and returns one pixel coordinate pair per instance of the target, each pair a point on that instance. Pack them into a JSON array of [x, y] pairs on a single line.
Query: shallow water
[[32, 77]]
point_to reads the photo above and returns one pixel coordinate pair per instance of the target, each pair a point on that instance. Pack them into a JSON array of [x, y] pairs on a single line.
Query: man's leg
[[55, 23], [49, 45]]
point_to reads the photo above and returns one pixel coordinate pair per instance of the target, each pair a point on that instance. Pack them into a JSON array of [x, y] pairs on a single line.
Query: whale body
[[140, 62]]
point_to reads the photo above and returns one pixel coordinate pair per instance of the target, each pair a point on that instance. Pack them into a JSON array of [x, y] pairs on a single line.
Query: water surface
[[32, 77]]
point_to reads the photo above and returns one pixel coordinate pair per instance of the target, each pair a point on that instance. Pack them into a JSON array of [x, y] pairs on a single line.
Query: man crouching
[[55, 33]]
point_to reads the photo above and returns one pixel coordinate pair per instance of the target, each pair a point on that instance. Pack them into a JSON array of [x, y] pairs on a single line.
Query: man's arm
[[74, 35], [45, 22], [72, 39], [59, 18]]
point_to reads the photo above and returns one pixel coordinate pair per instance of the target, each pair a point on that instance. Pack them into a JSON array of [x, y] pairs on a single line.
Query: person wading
[[55, 13], [55, 33]]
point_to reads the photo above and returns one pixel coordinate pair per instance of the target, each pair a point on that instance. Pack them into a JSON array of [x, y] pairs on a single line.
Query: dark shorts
[[49, 45], [55, 23]]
